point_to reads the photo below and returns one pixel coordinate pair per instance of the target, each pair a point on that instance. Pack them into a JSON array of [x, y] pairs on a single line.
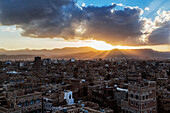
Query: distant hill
[[84, 53], [2, 50], [67, 50], [119, 53]]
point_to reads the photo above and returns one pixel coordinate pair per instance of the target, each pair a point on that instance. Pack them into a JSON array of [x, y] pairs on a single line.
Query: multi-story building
[[17, 102], [37, 63], [141, 98]]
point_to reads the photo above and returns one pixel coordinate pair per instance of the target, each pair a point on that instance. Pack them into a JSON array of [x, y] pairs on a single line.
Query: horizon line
[[31, 49]]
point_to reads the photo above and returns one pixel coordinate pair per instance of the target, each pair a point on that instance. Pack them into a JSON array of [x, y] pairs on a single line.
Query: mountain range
[[82, 53]]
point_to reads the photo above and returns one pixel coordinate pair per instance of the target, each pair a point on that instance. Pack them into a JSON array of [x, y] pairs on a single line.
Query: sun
[[101, 45]]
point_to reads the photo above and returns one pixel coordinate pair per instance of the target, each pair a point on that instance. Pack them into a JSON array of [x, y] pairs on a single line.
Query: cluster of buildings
[[85, 86]]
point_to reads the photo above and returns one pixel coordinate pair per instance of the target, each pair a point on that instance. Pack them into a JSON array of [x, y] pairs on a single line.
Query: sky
[[101, 24]]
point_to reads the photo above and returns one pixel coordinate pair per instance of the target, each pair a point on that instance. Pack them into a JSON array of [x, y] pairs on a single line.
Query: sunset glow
[[101, 45], [102, 25]]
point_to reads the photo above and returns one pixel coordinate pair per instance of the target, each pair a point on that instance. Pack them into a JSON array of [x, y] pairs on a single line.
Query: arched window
[[69, 96]]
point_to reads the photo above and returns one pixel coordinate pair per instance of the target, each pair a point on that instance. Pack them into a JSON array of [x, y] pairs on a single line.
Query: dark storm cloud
[[38, 18], [119, 26], [160, 35], [65, 19], [24, 11]]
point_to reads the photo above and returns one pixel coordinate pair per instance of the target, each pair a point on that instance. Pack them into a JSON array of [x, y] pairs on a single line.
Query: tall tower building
[[141, 98], [37, 63]]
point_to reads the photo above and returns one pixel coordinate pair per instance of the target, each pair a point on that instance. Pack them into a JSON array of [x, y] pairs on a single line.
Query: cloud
[[120, 4], [161, 34], [66, 19], [147, 8], [156, 32], [113, 27], [83, 5], [9, 29], [162, 18]]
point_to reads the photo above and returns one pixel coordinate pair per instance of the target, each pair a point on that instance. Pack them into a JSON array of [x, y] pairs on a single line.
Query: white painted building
[[68, 95]]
